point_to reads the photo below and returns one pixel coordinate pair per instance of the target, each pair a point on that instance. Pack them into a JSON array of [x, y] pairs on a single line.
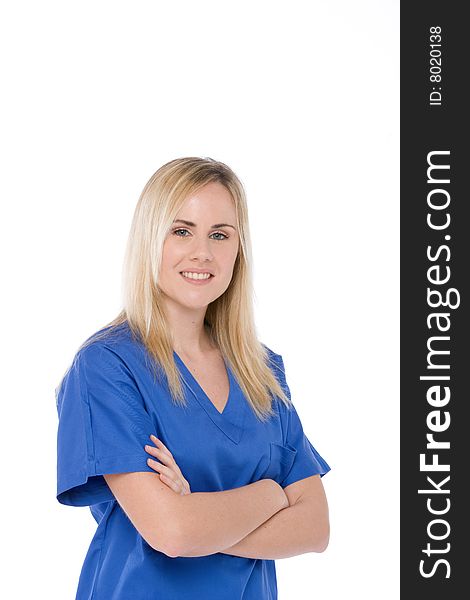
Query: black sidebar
[[434, 301]]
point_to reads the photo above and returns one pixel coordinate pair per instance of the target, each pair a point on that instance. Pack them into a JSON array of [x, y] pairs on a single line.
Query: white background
[[301, 99]]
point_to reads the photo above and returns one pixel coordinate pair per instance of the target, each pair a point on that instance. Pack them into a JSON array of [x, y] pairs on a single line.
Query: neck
[[189, 334]]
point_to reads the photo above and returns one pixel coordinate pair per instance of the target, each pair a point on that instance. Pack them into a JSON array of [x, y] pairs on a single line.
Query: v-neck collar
[[232, 418]]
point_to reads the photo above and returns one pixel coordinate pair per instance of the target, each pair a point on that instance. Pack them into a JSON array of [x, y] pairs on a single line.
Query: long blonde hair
[[229, 318]]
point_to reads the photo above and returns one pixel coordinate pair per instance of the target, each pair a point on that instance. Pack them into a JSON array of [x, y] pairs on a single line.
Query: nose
[[200, 249]]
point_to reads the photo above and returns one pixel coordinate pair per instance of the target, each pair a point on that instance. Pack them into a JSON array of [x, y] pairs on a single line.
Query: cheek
[[229, 260], [234, 255], [169, 259], [230, 253], [171, 254]]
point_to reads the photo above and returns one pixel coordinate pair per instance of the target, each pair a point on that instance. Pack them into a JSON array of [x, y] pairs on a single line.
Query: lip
[[193, 270], [198, 281]]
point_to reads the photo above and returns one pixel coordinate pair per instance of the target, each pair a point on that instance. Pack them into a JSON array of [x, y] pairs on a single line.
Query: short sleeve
[[103, 426], [307, 461]]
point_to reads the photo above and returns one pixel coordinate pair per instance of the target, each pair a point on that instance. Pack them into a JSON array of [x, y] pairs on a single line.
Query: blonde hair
[[229, 318]]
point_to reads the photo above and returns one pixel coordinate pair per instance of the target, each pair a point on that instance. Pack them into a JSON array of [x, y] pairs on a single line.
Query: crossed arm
[[259, 520], [301, 527]]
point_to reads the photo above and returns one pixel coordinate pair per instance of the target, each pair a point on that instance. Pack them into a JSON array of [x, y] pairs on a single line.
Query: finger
[[157, 453], [174, 485], [185, 485], [160, 444], [165, 457], [178, 484], [156, 466], [161, 468]]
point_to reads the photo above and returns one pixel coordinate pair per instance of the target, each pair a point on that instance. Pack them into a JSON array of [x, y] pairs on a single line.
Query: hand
[[169, 471]]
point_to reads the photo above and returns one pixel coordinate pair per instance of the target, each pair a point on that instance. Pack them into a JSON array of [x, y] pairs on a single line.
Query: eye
[[225, 237], [182, 229], [175, 231]]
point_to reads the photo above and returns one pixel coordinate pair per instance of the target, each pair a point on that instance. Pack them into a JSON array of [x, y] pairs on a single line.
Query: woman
[[176, 425]]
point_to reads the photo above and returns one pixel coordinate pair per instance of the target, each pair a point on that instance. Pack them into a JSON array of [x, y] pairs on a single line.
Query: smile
[[198, 278]]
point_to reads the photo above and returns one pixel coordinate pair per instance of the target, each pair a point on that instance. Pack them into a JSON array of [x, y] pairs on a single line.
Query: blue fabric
[[109, 403]]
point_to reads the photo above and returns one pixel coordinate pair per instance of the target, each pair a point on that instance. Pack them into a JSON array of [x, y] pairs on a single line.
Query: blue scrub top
[[108, 404]]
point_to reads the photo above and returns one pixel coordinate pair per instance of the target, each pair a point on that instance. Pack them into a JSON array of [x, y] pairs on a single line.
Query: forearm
[[213, 521], [289, 532]]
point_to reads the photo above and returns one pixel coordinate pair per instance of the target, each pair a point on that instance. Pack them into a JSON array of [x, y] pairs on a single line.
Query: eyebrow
[[191, 224]]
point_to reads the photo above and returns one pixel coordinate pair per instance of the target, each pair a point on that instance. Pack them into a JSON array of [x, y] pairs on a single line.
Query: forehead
[[212, 200]]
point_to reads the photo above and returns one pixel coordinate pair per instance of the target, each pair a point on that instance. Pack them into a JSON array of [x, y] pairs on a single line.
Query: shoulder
[[271, 355], [102, 352], [113, 347], [116, 338], [276, 364], [275, 361]]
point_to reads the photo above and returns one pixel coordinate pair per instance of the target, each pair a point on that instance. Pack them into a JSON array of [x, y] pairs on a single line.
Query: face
[[203, 238]]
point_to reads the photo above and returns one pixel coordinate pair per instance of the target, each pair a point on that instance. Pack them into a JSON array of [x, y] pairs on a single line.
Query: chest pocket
[[281, 460]]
